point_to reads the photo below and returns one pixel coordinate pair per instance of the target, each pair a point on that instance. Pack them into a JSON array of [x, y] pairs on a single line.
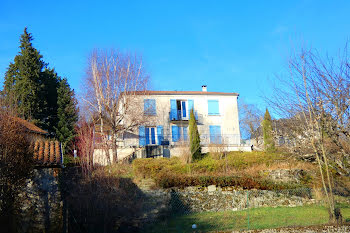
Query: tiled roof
[[30, 126], [47, 152], [182, 93]]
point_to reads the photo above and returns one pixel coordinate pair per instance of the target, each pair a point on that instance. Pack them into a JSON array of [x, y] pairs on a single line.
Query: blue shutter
[[184, 112], [142, 140], [147, 136], [160, 134], [153, 136], [173, 111], [213, 107], [215, 134], [149, 106], [146, 106], [175, 133], [185, 133]]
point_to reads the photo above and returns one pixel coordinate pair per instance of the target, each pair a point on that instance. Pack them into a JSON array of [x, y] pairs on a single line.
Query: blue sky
[[231, 46]]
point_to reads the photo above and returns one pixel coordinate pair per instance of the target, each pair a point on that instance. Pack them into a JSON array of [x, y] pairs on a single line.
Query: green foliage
[[269, 142], [67, 114], [166, 180], [70, 161], [39, 94], [195, 141], [24, 84]]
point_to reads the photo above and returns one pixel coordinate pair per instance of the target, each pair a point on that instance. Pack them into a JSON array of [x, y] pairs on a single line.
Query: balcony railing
[[180, 116]]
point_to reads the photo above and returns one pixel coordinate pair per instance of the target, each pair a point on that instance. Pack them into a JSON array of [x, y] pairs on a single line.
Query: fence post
[[248, 208]]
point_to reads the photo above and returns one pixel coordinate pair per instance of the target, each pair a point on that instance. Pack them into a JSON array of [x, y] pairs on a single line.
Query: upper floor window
[[213, 107], [150, 107]]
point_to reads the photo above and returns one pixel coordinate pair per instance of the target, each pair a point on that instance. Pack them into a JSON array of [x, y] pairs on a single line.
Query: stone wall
[[212, 198], [40, 202]]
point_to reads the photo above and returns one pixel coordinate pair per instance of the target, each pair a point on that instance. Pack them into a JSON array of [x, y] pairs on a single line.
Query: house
[[165, 131]]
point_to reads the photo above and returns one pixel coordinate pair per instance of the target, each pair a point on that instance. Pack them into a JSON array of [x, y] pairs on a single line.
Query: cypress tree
[[269, 142], [23, 81], [195, 142], [67, 114]]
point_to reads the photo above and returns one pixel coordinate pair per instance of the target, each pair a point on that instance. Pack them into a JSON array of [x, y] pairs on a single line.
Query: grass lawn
[[259, 218]]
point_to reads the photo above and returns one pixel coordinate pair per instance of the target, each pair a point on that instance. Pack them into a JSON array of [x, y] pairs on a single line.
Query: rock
[[211, 188]]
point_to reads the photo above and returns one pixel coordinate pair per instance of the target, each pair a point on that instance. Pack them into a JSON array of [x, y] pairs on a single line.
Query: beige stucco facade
[[225, 120]]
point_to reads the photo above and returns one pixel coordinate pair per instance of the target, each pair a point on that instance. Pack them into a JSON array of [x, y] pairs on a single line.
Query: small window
[[213, 107], [150, 107]]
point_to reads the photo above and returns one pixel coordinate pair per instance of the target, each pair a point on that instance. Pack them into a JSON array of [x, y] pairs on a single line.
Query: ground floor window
[[179, 133], [215, 134], [150, 135]]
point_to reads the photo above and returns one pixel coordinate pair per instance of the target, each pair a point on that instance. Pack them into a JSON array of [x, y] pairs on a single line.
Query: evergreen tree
[[269, 142], [195, 142], [50, 104], [23, 81], [67, 114]]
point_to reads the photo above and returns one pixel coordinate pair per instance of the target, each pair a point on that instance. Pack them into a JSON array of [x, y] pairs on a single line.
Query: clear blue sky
[[230, 46]]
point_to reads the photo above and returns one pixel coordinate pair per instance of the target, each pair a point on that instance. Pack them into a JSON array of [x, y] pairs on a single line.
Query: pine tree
[[269, 142], [67, 114], [23, 80], [195, 142]]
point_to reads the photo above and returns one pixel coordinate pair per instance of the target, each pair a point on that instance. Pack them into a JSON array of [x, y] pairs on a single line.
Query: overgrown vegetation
[[242, 169], [16, 164]]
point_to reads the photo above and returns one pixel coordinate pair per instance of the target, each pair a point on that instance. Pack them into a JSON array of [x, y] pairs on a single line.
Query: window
[[213, 107], [150, 107], [150, 135], [215, 134], [179, 133], [180, 109], [175, 133]]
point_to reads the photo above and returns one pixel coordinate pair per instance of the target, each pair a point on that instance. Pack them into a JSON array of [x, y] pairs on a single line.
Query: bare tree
[[316, 96], [113, 83], [250, 121]]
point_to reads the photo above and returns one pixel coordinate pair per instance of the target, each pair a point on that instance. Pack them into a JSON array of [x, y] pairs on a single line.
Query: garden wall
[[40, 202], [212, 198]]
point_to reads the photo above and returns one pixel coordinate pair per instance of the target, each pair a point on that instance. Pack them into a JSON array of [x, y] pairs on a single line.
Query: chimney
[[204, 88]]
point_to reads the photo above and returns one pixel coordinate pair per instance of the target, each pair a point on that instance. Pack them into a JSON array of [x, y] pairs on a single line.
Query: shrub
[[246, 182]]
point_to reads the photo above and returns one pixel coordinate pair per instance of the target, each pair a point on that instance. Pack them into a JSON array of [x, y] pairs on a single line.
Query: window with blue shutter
[[215, 134], [150, 107], [213, 107], [160, 134], [173, 110], [175, 133], [142, 138]]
